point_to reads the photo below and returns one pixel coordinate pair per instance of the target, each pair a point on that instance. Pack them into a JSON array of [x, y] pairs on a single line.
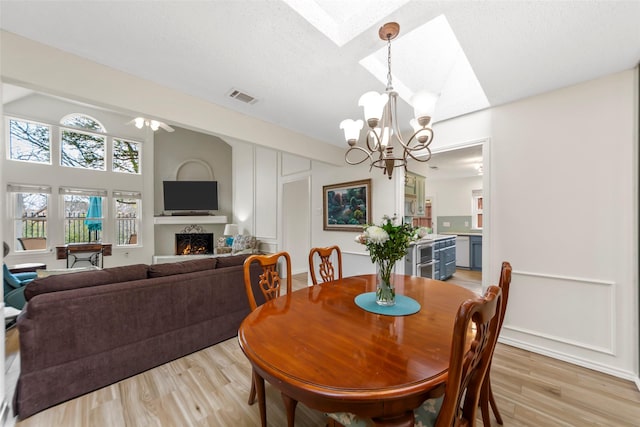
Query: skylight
[[341, 21], [430, 57]]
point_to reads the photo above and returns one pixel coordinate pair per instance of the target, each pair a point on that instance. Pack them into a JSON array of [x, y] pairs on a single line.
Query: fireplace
[[194, 240]]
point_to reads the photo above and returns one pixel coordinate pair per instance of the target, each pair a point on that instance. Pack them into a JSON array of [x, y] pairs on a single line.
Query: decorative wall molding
[[610, 316], [607, 351], [557, 277]]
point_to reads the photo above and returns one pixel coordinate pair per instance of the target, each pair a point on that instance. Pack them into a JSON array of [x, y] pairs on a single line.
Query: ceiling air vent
[[242, 97]]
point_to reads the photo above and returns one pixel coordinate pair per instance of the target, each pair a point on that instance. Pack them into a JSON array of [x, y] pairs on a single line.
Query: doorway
[[455, 176]]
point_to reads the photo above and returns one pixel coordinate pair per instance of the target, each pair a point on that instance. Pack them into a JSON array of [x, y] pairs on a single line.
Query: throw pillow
[[244, 244]]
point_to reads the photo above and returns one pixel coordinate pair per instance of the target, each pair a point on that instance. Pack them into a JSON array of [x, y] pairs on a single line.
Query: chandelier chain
[[389, 84]]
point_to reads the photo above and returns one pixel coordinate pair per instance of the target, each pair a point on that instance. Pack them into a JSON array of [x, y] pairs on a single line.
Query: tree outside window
[[126, 156], [29, 141], [82, 150], [127, 209], [29, 213]]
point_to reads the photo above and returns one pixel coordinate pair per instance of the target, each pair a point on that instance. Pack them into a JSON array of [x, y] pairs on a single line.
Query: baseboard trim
[[626, 375]]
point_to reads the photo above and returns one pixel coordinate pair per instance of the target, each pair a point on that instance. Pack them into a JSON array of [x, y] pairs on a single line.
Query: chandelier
[[383, 134]]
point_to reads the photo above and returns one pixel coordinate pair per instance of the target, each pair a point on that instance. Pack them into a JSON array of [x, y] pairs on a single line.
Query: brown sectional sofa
[[83, 331]]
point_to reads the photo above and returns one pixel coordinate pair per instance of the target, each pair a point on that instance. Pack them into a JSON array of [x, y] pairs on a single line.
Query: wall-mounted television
[[190, 196]]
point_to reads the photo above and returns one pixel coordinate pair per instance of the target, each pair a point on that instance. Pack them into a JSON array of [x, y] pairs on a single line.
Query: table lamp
[[230, 230]]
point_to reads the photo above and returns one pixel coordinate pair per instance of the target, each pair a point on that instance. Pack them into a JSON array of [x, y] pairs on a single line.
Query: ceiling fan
[[139, 122]]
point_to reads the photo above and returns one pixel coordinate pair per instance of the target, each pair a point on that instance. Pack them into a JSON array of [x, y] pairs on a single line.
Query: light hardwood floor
[[210, 388]]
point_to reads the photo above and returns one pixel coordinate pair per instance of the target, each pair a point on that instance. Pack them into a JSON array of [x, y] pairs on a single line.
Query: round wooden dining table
[[318, 347]]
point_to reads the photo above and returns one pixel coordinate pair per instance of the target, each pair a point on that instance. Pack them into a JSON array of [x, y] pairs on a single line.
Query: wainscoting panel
[[574, 311], [354, 263]]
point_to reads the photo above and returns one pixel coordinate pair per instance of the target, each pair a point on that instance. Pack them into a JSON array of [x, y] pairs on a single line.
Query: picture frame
[[346, 206]]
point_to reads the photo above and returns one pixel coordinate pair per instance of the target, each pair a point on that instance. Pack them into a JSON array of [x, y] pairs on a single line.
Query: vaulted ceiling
[[306, 63]]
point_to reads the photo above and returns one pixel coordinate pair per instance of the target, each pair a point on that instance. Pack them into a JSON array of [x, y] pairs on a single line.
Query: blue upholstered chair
[[14, 284], [467, 368]]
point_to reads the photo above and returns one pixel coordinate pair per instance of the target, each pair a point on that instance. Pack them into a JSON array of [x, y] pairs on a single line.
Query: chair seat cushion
[[425, 415]]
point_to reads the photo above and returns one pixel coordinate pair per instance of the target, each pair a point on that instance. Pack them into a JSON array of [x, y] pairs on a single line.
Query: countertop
[[432, 238], [469, 233]]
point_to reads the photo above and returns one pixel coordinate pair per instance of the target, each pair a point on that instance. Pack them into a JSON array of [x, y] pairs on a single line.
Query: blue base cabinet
[[445, 258], [475, 247]]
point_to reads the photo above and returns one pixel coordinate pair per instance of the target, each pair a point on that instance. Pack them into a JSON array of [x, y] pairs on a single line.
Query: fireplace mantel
[[188, 219]]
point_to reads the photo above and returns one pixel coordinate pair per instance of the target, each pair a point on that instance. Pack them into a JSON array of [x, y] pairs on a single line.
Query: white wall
[[453, 196], [36, 66], [50, 110], [202, 153], [564, 213], [387, 199]]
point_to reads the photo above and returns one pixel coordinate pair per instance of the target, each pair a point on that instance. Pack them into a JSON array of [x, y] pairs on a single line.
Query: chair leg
[[484, 403], [492, 401], [290, 405], [252, 393]]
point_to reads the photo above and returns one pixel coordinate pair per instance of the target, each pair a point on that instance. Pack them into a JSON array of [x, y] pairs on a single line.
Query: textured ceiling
[[308, 81]]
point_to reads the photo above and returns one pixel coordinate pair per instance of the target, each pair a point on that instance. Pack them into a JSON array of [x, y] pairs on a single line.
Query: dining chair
[[486, 395], [269, 282], [468, 363], [325, 268]]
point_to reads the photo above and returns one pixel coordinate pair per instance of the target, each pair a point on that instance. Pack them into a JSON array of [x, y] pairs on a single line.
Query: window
[[29, 214], [83, 214], [29, 141], [127, 209], [82, 121], [82, 150], [476, 208], [126, 156]]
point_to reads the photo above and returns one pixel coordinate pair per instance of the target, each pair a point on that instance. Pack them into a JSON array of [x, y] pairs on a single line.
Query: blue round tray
[[404, 305]]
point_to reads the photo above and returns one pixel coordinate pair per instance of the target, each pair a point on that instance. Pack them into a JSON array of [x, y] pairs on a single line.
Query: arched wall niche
[[194, 170]]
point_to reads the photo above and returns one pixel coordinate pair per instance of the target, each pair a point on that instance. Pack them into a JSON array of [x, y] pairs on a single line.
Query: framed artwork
[[347, 206]]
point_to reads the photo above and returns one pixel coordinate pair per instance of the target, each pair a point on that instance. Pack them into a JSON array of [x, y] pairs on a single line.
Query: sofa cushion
[[84, 279], [231, 261], [172, 268]]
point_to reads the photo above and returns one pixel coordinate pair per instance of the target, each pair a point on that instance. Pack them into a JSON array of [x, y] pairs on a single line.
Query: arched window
[[82, 121], [82, 145]]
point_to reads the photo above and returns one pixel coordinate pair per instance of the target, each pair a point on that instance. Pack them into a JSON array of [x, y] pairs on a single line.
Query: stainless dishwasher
[[462, 252]]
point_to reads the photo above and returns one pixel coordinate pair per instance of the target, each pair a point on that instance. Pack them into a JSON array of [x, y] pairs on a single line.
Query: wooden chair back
[[504, 284], [325, 268], [487, 398], [269, 280], [470, 358]]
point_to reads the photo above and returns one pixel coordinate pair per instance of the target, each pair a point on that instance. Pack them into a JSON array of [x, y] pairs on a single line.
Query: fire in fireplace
[[199, 243]]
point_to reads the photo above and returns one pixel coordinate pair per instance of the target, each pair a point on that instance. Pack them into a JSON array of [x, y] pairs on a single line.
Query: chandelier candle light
[[380, 113]]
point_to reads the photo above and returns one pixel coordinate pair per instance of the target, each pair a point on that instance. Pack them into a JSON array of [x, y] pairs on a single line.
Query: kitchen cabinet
[[414, 194], [420, 181], [476, 252], [445, 257]]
